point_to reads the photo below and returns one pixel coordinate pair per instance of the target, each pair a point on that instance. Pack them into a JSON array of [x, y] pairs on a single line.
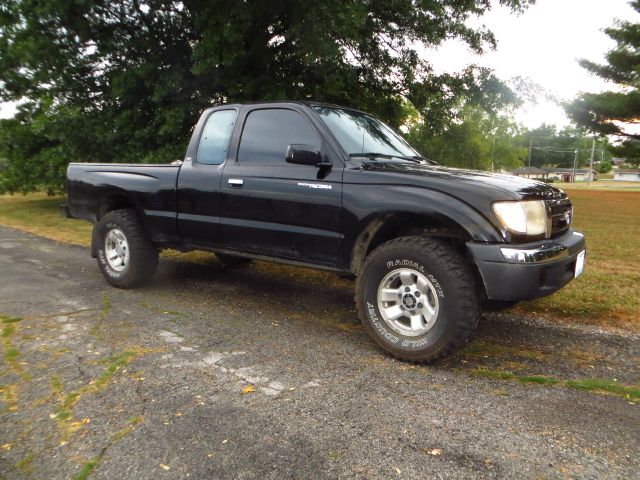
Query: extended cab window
[[267, 133], [214, 142]]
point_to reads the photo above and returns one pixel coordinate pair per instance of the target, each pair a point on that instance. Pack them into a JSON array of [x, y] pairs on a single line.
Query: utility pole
[[593, 151], [575, 165], [530, 144]]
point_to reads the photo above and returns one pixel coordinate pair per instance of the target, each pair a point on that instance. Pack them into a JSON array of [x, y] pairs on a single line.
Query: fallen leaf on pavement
[[248, 389]]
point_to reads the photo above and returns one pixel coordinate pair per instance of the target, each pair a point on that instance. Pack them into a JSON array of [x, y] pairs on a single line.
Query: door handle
[[236, 182]]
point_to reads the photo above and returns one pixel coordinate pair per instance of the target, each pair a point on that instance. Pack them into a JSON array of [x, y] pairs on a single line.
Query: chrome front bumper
[[523, 272], [547, 252]]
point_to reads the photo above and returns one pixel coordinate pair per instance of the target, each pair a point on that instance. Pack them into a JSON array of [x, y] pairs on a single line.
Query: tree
[[106, 80], [551, 147], [605, 167], [488, 141], [611, 112], [478, 140]]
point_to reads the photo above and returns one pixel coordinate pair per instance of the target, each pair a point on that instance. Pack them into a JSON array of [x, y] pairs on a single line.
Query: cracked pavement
[[264, 372]]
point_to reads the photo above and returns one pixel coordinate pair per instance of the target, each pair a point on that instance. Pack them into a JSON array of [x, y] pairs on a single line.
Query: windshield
[[359, 133]]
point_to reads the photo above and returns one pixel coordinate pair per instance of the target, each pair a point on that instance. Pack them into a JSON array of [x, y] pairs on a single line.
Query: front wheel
[[126, 257], [417, 298]]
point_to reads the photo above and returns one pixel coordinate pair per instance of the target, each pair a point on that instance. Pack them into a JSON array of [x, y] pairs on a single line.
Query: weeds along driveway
[[219, 373]]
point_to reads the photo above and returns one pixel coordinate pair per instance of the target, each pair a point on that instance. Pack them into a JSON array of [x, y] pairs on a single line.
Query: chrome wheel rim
[[116, 249], [408, 302]]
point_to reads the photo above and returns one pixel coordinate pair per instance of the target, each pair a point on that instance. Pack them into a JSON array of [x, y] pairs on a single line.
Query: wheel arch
[[390, 226], [115, 200], [382, 228]]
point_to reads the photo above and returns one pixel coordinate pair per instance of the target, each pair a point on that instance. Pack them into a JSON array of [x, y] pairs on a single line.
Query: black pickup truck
[[334, 188]]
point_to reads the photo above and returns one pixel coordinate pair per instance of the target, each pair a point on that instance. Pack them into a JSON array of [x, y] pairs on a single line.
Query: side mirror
[[305, 155]]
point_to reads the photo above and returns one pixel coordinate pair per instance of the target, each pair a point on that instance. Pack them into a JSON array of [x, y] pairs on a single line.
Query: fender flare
[[434, 207]]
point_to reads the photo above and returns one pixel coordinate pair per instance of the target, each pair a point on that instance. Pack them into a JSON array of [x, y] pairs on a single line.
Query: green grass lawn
[[36, 213], [608, 291], [605, 184], [607, 294]]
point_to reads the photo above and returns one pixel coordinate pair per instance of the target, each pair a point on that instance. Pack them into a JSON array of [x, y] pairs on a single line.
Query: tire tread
[[143, 253], [444, 252]]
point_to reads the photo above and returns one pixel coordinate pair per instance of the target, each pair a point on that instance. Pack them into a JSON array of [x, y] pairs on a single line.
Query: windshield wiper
[[374, 155]]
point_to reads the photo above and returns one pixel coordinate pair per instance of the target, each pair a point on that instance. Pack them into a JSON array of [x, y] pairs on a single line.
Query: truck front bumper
[[512, 273]]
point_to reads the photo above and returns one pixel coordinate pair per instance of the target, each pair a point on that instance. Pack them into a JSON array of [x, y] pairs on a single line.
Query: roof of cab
[[306, 103]]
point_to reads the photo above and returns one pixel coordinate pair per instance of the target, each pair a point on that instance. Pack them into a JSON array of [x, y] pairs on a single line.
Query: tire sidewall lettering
[[376, 321], [397, 263], [415, 343]]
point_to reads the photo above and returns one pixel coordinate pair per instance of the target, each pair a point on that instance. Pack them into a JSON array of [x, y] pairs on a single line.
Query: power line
[[561, 150]]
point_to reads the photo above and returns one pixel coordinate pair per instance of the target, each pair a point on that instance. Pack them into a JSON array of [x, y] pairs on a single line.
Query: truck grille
[[561, 213]]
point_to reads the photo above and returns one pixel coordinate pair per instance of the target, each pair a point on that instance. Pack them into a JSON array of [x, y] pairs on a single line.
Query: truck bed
[[150, 188]]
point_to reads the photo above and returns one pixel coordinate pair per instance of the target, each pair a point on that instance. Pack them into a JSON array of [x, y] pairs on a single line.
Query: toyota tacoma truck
[[334, 188]]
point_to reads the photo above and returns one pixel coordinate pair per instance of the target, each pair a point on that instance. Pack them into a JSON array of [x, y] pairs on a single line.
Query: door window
[[214, 142], [268, 132]]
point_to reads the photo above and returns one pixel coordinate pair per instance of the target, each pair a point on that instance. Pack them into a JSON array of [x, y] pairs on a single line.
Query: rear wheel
[[417, 298], [125, 255]]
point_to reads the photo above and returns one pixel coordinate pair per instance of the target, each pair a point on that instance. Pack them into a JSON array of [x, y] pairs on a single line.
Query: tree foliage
[[107, 80], [629, 150], [484, 141], [611, 112], [605, 167], [552, 147], [478, 140]]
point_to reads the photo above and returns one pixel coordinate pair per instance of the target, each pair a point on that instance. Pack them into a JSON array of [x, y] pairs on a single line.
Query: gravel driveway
[[264, 372]]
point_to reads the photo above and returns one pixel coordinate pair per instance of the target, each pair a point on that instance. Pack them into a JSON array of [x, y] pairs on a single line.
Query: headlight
[[526, 218]]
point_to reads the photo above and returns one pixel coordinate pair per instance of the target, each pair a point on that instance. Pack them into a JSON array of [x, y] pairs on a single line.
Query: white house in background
[[529, 172], [627, 175], [566, 174], [553, 173]]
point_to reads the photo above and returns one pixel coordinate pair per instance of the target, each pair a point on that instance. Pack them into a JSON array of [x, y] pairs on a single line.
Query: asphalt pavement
[[264, 372]]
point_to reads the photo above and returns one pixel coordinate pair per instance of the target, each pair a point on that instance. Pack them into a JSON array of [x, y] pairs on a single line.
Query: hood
[[434, 176]]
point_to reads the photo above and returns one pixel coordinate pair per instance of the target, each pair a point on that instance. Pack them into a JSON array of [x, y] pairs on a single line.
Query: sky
[[543, 44]]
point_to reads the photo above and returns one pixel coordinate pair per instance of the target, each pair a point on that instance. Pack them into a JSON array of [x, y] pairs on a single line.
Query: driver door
[[272, 207]]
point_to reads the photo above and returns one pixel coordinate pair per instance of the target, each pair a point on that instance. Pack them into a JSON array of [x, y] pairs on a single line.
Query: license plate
[[580, 263]]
